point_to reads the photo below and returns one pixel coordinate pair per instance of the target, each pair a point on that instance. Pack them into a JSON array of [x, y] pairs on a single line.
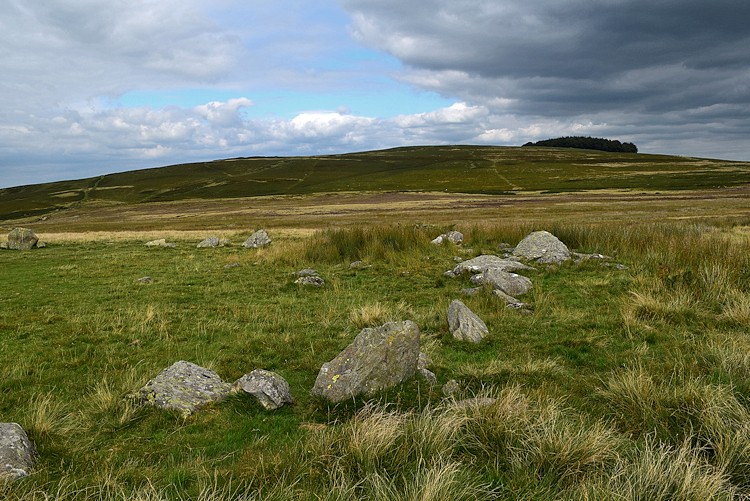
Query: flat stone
[[511, 284], [185, 387], [270, 389], [17, 453], [485, 262]]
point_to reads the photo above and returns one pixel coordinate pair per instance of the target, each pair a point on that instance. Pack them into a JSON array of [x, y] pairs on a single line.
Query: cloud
[[632, 64]]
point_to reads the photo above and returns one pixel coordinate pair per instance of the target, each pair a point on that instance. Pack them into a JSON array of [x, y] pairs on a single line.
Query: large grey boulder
[[185, 387], [258, 239], [17, 453], [22, 239], [510, 283], [464, 324], [270, 389], [485, 262], [378, 358], [542, 247]]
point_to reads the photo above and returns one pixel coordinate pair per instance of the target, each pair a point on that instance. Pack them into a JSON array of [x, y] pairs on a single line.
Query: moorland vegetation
[[623, 382], [587, 143]]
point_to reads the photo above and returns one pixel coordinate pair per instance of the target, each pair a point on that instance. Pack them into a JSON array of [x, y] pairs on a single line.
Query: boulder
[[454, 237], [17, 453], [485, 262], [307, 272], [161, 242], [258, 239], [464, 324], [510, 283], [210, 242], [22, 239], [185, 387], [270, 389], [542, 247], [378, 358]]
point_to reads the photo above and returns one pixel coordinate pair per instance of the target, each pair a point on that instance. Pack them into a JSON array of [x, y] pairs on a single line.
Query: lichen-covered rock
[[312, 280], [270, 389], [464, 324], [258, 239], [378, 358], [185, 387], [22, 239], [209, 242], [510, 283], [485, 262], [17, 453], [542, 247]]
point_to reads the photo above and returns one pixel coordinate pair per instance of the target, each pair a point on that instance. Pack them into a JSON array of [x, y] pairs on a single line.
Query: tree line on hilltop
[[587, 143]]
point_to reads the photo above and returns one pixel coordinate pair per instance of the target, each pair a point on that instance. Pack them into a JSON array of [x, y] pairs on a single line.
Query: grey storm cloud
[[639, 62]]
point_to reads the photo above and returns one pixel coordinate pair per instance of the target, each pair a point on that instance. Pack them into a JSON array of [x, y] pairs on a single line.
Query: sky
[[89, 87]]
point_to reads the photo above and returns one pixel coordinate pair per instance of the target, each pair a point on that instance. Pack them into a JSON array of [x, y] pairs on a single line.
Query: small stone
[[451, 388], [355, 265], [313, 280], [208, 243], [145, 280], [232, 265], [423, 361], [307, 272], [270, 389], [41, 244], [428, 376], [621, 266]]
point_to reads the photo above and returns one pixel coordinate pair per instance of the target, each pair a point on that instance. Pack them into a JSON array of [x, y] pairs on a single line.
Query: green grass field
[[621, 384]]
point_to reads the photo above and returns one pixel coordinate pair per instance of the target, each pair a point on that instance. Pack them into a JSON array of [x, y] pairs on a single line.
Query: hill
[[453, 169]]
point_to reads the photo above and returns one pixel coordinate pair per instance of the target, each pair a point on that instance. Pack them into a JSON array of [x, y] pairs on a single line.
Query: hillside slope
[[454, 169]]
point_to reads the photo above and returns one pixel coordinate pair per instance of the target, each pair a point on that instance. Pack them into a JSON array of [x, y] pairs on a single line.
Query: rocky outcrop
[[22, 239], [378, 358], [17, 453], [185, 387], [258, 239], [542, 247], [464, 324], [270, 389]]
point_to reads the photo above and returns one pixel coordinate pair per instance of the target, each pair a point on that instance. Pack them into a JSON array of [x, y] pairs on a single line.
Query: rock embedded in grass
[[379, 358], [542, 247], [185, 387], [161, 242], [511, 284], [22, 239], [485, 262], [208, 243], [17, 453], [270, 389], [454, 237], [464, 324], [258, 239]]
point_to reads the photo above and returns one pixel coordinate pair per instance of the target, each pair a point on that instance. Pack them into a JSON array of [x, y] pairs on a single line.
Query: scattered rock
[[377, 359], [542, 247], [145, 280], [509, 300], [311, 280], [454, 237], [464, 324], [307, 272], [17, 453], [3, 245], [621, 266], [510, 283], [233, 264], [161, 243], [270, 389], [423, 361], [210, 242], [428, 376], [185, 387], [578, 257], [225, 242], [22, 239], [41, 244], [258, 239], [485, 262], [451, 388], [355, 265]]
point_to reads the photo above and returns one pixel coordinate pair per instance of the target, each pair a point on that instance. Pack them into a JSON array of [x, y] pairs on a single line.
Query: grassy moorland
[[621, 384]]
